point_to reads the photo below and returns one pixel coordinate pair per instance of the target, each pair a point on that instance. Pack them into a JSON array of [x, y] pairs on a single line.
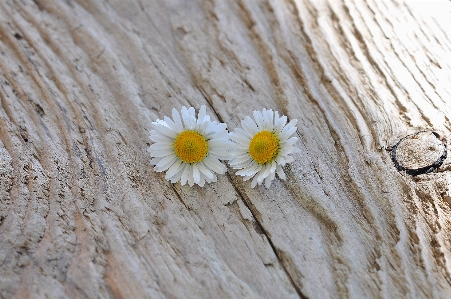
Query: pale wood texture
[[83, 214]]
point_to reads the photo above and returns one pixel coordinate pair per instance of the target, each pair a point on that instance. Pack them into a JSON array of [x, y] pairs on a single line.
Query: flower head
[[263, 146], [189, 149]]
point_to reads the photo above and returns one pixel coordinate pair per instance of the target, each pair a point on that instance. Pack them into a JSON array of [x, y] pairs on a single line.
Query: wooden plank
[[84, 215]]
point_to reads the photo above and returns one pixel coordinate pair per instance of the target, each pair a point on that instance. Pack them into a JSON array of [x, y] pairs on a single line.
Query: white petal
[[240, 139], [215, 165], [239, 149], [192, 118], [261, 172], [220, 154], [286, 150], [177, 119], [155, 136], [249, 126], [205, 170], [289, 159], [221, 127], [173, 170], [280, 124], [243, 131], [258, 119], [206, 128], [296, 151], [254, 182], [178, 175], [201, 115], [243, 165], [161, 146], [269, 179], [290, 141], [269, 120], [248, 177], [159, 122], [214, 180], [280, 172], [166, 131], [155, 161], [220, 134], [250, 170], [171, 124], [259, 167], [292, 123], [220, 143], [191, 177], [264, 119], [276, 120], [201, 181], [280, 160], [240, 159], [167, 162], [185, 174], [267, 170], [261, 175], [160, 154], [189, 118], [224, 149], [239, 153], [286, 133], [204, 177], [196, 173], [273, 166], [260, 179]]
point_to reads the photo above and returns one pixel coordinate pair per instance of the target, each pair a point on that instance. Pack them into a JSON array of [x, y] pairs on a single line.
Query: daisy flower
[[263, 146], [189, 151]]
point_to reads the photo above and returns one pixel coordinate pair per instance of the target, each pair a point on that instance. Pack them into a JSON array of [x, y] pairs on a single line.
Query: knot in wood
[[419, 153]]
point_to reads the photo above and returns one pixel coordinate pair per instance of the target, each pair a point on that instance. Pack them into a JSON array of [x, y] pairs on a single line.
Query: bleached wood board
[[83, 214]]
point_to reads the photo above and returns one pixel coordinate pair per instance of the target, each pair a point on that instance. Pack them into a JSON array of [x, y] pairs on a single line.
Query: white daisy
[[189, 151], [263, 146]]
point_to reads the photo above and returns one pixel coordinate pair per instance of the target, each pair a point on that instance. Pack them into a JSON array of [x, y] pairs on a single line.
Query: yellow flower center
[[190, 146], [264, 147]]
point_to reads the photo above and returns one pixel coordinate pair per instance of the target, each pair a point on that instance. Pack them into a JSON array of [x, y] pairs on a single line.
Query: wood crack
[[279, 254]]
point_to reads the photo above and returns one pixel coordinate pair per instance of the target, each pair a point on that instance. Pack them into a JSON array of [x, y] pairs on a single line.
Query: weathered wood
[[83, 214]]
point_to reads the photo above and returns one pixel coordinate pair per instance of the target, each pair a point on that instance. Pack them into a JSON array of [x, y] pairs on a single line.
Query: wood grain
[[83, 214]]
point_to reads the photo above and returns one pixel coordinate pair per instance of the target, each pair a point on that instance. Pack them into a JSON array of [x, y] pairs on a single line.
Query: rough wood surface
[[83, 215]]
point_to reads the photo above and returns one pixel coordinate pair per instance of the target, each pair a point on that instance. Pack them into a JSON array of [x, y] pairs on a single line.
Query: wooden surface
[[83, 214]]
